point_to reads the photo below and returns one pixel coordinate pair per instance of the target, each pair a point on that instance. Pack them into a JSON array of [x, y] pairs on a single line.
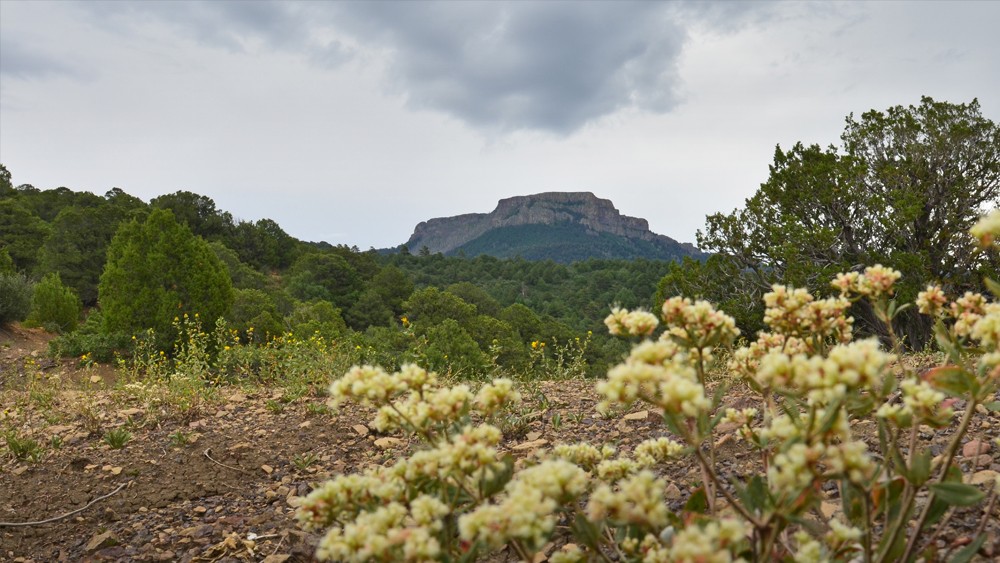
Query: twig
[[13, 524], [224, 465], [277, 547]]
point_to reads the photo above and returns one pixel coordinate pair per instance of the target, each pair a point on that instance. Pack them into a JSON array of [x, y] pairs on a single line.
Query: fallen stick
[[13, 524], [224, 465]]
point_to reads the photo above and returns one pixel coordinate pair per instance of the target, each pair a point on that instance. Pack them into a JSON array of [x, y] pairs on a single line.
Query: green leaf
[[921, 469], [698, 503], [992, 406], [860, 405], [993, 286], [965, 554], [957, 494], [720, 392], [498, 480], [754, 495]]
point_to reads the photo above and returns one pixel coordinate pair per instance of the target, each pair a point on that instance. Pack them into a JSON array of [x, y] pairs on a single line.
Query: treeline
[[126, 266]]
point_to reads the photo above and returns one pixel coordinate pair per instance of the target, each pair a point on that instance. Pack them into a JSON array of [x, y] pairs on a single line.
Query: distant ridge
[[562, 226]]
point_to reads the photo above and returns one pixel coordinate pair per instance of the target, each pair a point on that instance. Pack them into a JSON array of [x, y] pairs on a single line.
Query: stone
[[386, 443], [672, 492], [267, 469], [975, 447], [983, 477], [361, 429], [829, 508], [530, 445], [275, 558], [533, 435], [100, 541], [641, 415]]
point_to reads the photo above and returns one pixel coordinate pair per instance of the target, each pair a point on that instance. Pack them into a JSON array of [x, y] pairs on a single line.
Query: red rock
[[975, 447]]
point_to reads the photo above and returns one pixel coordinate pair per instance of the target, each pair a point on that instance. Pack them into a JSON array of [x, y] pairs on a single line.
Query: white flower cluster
[[967, 310], [584, 455], [370, 384], [468, 455], [493, 396], [920, 399], [848, 367], [931, 301], [987, 328], [656, 450], [698, 322], [388, 533], [874, 283], [706, 543], [795, 312], [340, 499], [670, 384], [526, 514], [421, 410], [638, 501], [987, 230], [634, 323]]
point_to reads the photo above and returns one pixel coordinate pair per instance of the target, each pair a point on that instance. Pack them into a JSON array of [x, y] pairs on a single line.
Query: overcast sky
[[352, 122]]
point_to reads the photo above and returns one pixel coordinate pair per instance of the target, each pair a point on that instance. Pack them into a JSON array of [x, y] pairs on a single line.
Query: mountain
[[563, 226]]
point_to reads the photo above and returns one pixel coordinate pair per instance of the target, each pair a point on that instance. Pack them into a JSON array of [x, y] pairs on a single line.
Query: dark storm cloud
[[497, 66]]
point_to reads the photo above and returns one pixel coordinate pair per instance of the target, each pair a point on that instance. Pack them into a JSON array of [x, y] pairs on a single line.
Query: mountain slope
[[563, 226]]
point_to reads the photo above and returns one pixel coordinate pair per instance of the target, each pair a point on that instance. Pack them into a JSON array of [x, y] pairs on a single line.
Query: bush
[[54, 305], [156, 271], [456, 499], [15, 298], [89, 339]]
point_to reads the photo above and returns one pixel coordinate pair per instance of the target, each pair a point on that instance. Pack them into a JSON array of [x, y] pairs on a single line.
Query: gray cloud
[[19, 60], [498, 67]]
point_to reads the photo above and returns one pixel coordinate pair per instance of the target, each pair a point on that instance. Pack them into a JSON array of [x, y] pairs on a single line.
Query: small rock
[[100, 541], [305, 424], [361, 429], [974, 448], [829, 508], [95, 379], [200, 510], [237, 398], [529, 445], [130, 412], [386, 443], [533, 435], [726, 428], [110, 515], [116, 470], [267, 469], [672, 492], [641, 415], [274, 558], [983, 477]]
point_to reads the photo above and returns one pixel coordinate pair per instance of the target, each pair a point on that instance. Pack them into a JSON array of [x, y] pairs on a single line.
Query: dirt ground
[[229, 494]]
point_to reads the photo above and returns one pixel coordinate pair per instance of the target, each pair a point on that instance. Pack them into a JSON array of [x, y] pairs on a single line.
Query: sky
[[351, 122]]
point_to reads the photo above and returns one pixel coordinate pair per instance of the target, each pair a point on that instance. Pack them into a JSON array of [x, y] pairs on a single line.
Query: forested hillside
[[109, 257]]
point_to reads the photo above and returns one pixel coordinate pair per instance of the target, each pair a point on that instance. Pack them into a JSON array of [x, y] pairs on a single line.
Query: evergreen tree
[[54, 306], [158, 270]]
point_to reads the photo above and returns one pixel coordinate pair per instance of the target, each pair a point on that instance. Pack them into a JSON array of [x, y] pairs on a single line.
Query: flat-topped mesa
[[583, 208]]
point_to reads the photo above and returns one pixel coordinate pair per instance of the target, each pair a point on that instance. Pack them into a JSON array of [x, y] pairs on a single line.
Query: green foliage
[[393, 286], [157, 270], [242, 276], [254, 309], [370, 309], [22, 233], [23, 448], [718, 280], [198, 212], [90, 339], [263, 244], [318, 317], [430, 307], [117, 438], [77, 247], [15, 298], [450, 349], [902, 191], [54, 305], [320, 276], [6, 264], [472, 294]]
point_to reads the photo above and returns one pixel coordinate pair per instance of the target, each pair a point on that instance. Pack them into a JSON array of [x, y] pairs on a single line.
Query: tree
[[323, 276], [77, 247], [198, 212], [54, 306], [370, 309], [22, 233], [263, 244], [254, 309], [392, 284], [158, 270], [430, 307], [470, 293], [15, 298], [902, 190]]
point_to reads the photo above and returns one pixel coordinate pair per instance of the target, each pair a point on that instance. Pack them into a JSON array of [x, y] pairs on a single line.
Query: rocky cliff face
[[583, 208]]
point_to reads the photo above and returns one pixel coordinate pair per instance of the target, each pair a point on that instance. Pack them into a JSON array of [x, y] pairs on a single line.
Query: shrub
[[157, 270], [455, 499], [15, 298], [54, 305], [89, 339]]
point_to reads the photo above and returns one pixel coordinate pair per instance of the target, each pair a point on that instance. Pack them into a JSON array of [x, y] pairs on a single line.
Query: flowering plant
[[456, 499]]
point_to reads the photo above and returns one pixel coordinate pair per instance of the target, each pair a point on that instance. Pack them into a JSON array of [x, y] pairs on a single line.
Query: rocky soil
[[229, 493]]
